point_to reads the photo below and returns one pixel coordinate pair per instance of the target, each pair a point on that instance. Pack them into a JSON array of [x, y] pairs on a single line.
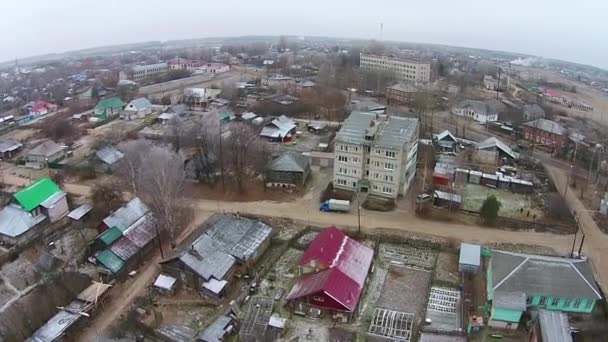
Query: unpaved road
[[123, 295]]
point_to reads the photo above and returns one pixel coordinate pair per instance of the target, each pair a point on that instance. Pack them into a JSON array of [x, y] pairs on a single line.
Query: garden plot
[[443, 309], [392, 325], [281, 274], [474, 195], [254, 319], [446, 271], [407, 255]]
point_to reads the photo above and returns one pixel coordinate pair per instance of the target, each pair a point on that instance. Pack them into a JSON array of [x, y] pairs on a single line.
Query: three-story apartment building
[[376, 153], [404, 68]]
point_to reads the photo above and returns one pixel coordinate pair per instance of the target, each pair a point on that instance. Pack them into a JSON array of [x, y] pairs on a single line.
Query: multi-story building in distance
[[141, 72], [376, 153], [405, 69]]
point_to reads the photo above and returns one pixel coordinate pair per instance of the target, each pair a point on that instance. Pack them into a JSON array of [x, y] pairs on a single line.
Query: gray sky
[[570, 30]]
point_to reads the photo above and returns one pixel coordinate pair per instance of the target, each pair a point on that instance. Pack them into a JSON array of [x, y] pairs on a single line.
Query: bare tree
[[163, 183], [244, 153], [206, 142], [156, 175], [177, 134]]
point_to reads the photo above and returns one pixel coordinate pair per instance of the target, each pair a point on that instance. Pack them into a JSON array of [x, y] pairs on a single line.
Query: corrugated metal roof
[[109, 155], [55, 327], [79, 212], [216, 331], [536, 274], [34, 194], [214, 285], [9, 144], [177, 333], [554, 326], [15, 221], [142, 231], [110, 235], [239, 236], [124, 248], [125, 216], [510, 300], [110, 260], [207, 259], [494, 142], [547, 126], [346, 263], [470, 254]]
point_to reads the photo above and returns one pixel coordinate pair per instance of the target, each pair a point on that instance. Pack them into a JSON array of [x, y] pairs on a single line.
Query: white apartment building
[[377, 153], [405, 69], [140, 72]]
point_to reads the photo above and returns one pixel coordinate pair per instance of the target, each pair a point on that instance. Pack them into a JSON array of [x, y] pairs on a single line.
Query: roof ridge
[[585, 279], [511, 273]]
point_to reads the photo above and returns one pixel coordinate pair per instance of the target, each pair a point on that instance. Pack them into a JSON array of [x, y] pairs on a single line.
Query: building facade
[[141, 72], [376, 153], [405, 69], [400, 93], [545, 132], [480, 111]]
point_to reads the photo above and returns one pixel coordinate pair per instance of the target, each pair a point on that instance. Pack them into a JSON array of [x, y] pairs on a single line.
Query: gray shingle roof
[[216, 331], [290, 161], [389, 131], [547, 126], [554, 326], [541, 275]]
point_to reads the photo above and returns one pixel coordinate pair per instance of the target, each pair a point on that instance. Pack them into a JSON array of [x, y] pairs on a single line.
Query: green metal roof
[[111, 102], [110, 260], [110, 235], [506, 315], [34, 194]]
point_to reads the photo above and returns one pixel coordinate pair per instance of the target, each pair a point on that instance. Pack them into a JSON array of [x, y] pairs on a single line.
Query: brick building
[[545, 132]]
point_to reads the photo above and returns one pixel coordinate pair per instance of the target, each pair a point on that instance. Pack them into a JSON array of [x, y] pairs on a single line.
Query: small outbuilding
[[136, 109], [9, 147], [47, 152], [469, 260], [289, 170]]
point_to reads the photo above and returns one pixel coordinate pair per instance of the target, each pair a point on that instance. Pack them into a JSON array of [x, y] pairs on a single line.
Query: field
[[513, 205]]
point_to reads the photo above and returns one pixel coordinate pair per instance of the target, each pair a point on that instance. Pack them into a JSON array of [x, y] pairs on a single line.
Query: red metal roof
[[551, 92], [345, 263]]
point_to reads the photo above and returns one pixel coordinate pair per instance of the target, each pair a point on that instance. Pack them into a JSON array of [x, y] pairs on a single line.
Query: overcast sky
[[563, 29]]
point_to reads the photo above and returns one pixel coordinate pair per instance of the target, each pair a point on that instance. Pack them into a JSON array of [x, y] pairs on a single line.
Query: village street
[[402, 220]]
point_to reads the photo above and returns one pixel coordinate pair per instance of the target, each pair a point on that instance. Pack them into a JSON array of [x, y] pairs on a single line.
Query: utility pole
[[222, 159], [498, 85]]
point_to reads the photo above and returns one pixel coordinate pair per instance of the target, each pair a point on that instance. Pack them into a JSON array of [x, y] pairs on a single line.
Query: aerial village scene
[[302, 189]]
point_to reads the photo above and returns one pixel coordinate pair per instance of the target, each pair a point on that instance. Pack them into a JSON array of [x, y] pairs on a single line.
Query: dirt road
[[124, 294]]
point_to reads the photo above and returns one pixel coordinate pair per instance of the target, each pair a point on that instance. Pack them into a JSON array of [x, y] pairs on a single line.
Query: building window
[[554, 301], [318, 298], [377, 164], [389, 166], [355, 160], [391, 154], [577, 303], [367, 161], [528, 300], [567, 302], [388, 178], [342, 159], [387, 190], [589, 304], [354, 184], [543, 300], [367, 149]]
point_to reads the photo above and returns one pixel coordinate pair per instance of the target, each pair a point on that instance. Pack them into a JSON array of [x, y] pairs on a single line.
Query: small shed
[[521, 186], [165, 283], [470, 258], [462, 176], [489, 179], [137, 109], [446, 199], [441, 178], [475, 177]]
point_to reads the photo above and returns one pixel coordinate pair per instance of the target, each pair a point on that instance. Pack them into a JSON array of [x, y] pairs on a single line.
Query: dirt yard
[[512, 203]]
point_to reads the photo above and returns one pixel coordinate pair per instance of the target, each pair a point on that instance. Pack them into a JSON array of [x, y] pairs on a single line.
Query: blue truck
[[335, 205]]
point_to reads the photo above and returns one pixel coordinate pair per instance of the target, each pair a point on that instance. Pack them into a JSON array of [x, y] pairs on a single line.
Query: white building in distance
[[377, 153], [405, 69]]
